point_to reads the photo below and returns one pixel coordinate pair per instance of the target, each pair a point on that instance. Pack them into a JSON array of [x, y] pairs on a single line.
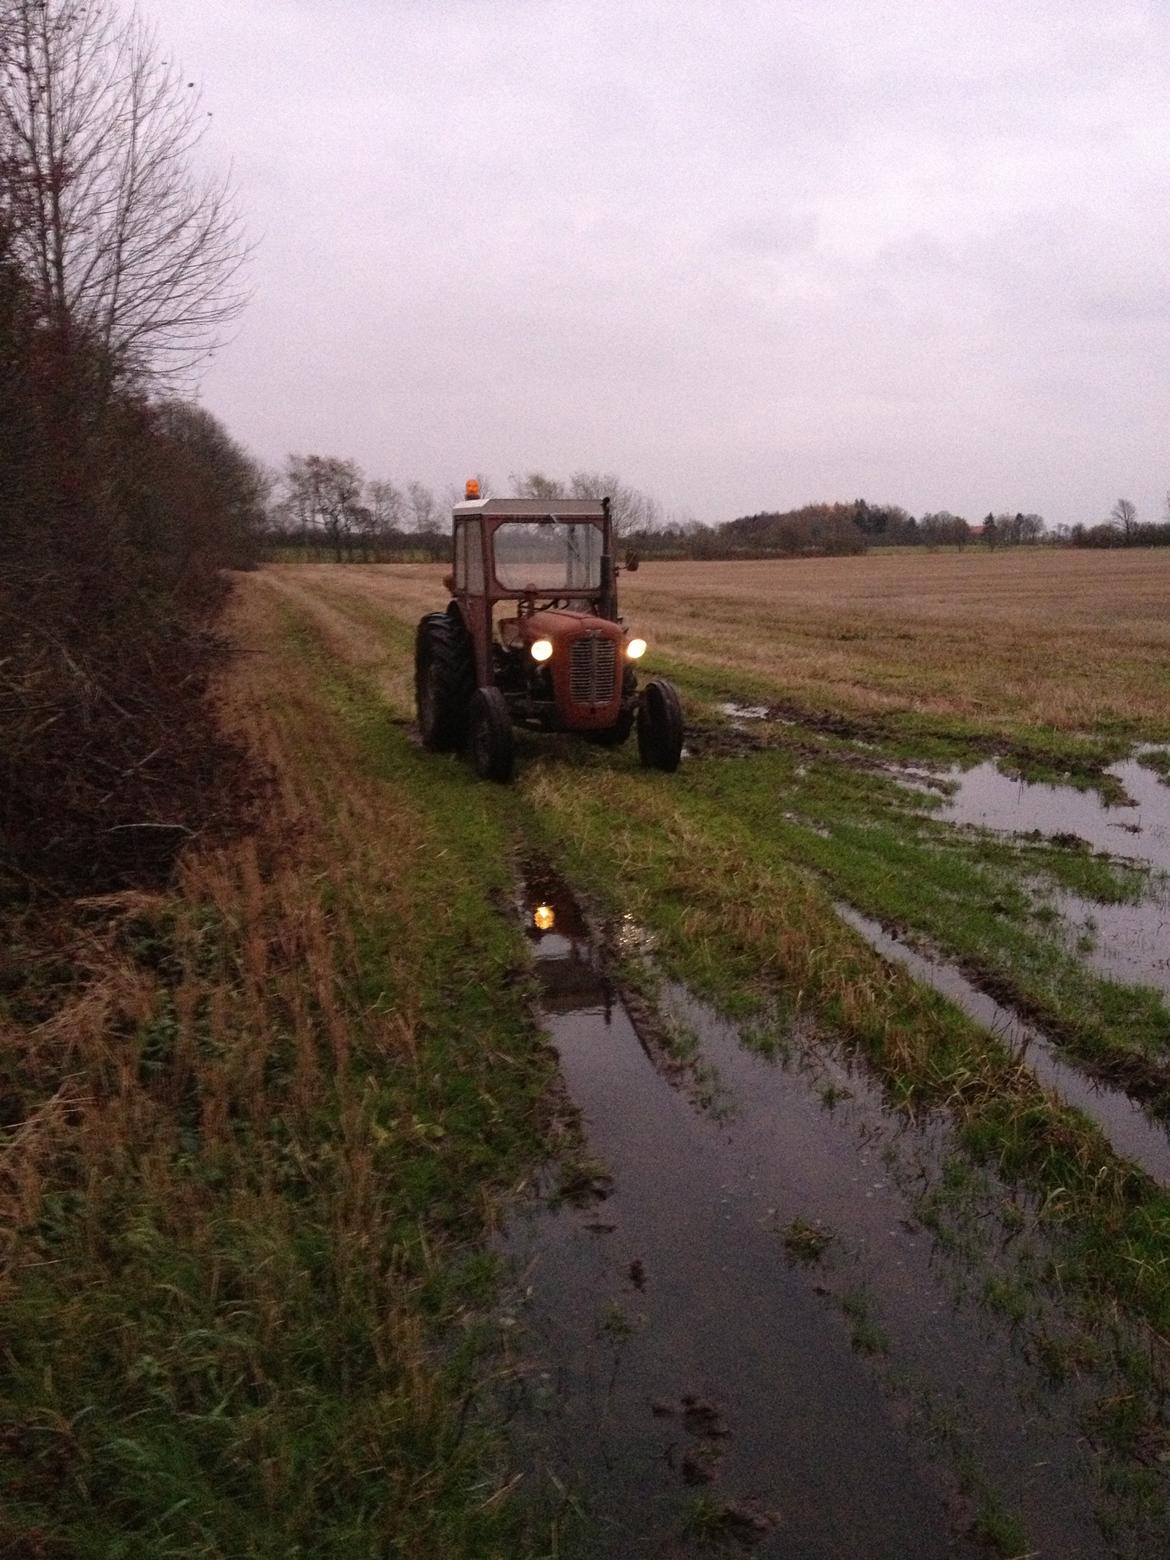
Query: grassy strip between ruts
[[733, 920], [241, 1301]]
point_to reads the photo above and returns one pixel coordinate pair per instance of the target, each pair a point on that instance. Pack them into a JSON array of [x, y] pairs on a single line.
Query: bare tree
[[630, 509], [944, 529], [121, 241], [424, 509], [325, 494], [536, 484], [386, 506], [1124, 516]]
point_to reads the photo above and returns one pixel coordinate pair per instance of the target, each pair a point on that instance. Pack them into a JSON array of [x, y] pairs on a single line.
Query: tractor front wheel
[[444, 681], [491, 735], [660, 726]]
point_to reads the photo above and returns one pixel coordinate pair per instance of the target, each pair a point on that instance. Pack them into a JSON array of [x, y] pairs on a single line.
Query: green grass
[[253, 1316], [977, 896]]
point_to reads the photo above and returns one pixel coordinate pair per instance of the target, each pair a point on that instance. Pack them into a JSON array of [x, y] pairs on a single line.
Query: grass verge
[[249, 1163]]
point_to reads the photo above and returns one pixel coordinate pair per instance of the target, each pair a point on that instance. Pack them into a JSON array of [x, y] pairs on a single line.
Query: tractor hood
[[557, 624], [584, 669]]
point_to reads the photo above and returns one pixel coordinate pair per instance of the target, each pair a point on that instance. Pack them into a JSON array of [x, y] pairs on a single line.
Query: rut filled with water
[[691, 1376], [1133, 1133]]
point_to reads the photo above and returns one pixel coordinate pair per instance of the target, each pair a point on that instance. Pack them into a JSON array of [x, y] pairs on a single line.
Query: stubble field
[[271, 1119]]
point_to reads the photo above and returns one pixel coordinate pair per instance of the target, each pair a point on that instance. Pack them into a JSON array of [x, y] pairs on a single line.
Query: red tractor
[[555, 657]]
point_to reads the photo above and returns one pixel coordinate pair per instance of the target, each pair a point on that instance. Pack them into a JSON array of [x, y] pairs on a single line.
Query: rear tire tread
[[444, 674], [492, 747]]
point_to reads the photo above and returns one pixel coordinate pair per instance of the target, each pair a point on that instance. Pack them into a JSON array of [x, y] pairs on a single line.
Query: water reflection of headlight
[[544, 918]]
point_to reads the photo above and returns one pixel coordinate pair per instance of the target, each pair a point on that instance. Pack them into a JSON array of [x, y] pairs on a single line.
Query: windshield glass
[[552, 556]]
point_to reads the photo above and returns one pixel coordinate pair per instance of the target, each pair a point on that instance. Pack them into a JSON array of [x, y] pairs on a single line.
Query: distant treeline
[[325, 508], [834, 530], [322, 507], [1108, 535]]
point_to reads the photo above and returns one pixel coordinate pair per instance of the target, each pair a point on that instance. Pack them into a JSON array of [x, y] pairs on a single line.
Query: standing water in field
[[1137, 828], [710, 1303], [1127, 942]]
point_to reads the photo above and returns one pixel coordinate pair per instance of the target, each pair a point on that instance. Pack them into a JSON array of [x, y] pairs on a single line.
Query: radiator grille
[[592, 668]]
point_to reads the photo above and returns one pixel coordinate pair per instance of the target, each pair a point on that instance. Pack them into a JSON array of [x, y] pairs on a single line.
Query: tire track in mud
[[682, 1346], [1118, 1113]]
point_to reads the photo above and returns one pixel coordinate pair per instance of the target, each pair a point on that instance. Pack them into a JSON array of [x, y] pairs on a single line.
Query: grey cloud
[[745, 254]]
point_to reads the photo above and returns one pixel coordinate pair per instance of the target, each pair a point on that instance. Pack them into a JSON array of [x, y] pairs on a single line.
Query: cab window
[[461, 557], [473, 532]]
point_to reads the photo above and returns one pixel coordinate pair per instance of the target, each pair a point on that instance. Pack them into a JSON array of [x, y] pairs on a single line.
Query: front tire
[[492, 750], [444, 681], [660, 726]]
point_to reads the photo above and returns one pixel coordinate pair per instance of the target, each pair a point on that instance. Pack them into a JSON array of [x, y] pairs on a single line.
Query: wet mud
[[714, 1327], [1133, 1133]]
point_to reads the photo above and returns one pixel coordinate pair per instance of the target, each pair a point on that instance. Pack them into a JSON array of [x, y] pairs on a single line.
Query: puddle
[[1129, 943], [1132, 1133], [1138, 830], [681, 1346], [746, 711]]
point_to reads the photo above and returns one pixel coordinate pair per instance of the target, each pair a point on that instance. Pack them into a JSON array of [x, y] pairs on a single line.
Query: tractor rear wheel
[[491, 735], [444, 681], [660, 726]]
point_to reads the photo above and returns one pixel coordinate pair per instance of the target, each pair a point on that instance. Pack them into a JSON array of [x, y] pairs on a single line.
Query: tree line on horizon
[[325, 506]]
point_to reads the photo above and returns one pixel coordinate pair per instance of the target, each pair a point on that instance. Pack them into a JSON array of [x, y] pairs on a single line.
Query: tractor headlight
[[636, 649], [541, 649]]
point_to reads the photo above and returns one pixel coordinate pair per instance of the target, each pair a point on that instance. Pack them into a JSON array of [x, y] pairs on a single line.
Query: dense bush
[[116, 516]]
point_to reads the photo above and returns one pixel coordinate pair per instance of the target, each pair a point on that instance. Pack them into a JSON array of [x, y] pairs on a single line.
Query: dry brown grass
[[226, 1155], [1072, 640], [1066, 639]]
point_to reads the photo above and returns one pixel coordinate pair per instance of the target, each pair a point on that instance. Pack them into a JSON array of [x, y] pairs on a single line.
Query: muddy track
[[880, 731], [1143, 1078], [678, 1343]]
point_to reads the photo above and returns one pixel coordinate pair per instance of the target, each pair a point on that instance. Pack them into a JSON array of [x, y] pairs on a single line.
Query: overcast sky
[[747, 255]]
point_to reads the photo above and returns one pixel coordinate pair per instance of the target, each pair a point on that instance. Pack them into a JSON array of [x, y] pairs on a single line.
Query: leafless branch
[[98, 136]]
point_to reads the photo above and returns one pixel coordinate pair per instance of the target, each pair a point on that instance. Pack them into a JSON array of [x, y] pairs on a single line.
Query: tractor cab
[[532, 637]]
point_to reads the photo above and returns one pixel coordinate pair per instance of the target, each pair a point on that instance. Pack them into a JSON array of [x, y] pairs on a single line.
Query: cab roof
[[533, 508]]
